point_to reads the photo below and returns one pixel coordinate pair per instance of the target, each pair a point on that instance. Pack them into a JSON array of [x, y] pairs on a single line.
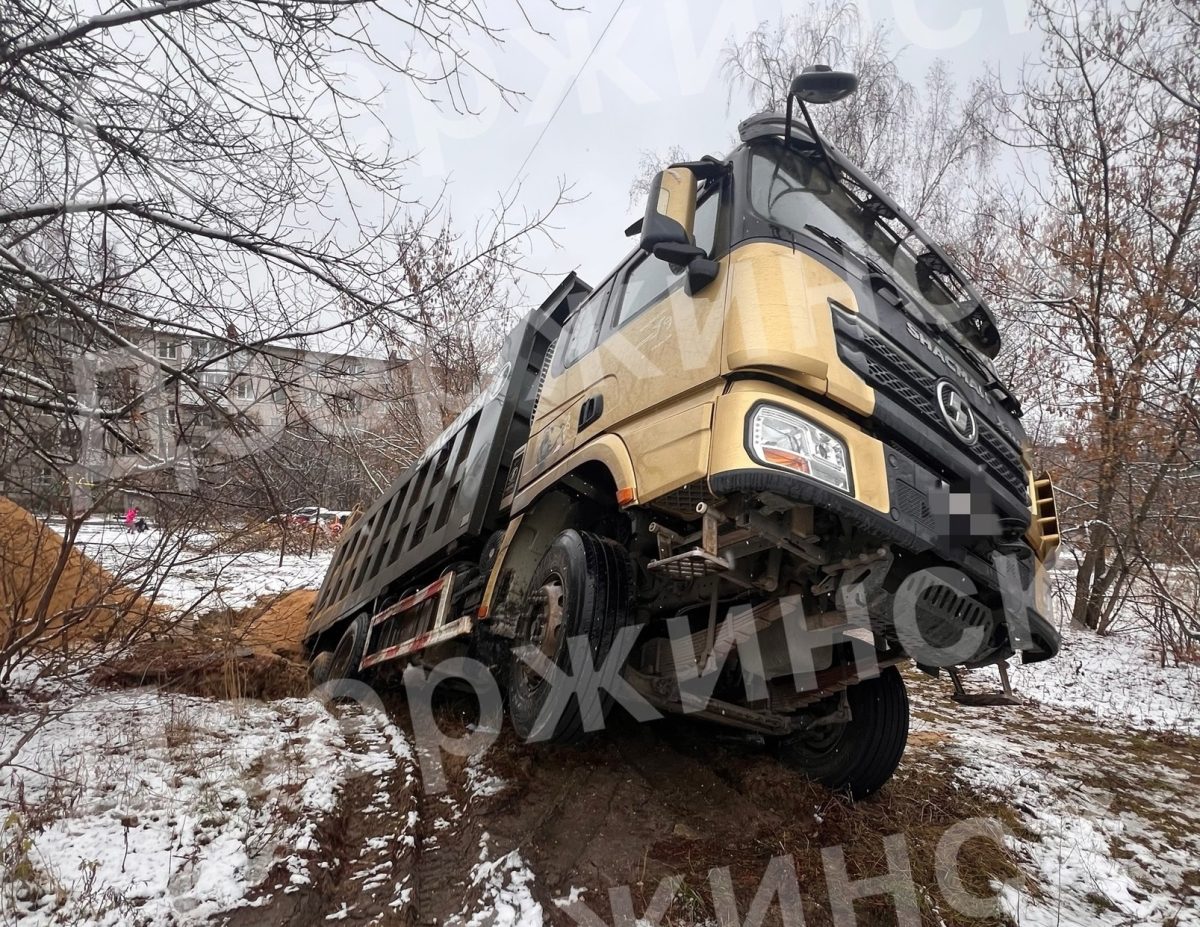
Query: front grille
[[913, 503], [913, 388]]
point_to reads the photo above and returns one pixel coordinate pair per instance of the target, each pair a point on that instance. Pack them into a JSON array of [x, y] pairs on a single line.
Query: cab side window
[[646, 284], [581, 332], [650, 278]]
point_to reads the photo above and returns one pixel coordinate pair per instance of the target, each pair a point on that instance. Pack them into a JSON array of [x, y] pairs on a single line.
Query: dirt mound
[[277, 624], [191, 666], [251, 652], [84, 600]]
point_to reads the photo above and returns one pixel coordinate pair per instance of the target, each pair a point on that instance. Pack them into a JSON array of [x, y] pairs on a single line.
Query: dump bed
[[443, 507]]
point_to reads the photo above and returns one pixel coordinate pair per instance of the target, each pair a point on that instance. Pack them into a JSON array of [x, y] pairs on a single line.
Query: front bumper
[[894, 499]]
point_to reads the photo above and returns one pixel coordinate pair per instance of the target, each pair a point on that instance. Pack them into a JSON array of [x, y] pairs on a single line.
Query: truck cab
[[768, 458]]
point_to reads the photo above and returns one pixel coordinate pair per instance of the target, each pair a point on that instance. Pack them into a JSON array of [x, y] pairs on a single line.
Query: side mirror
[[667, 230], [821, 84]]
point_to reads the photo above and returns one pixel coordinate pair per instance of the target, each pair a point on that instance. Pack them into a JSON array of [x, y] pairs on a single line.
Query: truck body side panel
[[444, 506]]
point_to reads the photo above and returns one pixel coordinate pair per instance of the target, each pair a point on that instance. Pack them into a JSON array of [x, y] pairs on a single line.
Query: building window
[[345, 403], [205, 347], [168, 350], [213, 381], [244, 388]]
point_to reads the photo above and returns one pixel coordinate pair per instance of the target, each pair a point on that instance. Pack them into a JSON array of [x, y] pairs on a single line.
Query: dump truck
[[773, 435]]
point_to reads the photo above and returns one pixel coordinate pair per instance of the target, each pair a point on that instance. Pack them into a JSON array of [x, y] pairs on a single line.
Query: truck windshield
[[796, 192]]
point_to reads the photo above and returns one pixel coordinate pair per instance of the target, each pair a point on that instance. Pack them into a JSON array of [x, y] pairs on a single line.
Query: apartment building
[[170, 403]]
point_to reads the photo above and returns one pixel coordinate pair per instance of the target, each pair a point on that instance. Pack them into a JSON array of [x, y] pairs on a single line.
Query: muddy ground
[[521, 831]]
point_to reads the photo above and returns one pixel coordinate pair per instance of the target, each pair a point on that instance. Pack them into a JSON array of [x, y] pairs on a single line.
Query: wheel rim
[[339, 666], [543, 624], [821, 739]]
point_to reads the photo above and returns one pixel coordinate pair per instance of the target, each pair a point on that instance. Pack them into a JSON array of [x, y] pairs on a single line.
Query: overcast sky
[[653, 81]]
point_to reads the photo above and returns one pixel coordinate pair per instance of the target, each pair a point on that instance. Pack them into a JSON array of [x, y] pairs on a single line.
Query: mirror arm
[[679, 255], [820, 142]]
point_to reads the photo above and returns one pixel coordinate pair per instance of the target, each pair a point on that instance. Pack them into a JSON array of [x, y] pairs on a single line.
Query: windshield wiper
[[876, 275]]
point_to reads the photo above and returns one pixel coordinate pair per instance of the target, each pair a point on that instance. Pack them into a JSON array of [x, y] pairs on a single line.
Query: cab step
[[984, 699], [691, 564]]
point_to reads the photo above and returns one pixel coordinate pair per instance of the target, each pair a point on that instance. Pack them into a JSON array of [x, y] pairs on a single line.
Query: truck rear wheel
[[349, 651], [861, 754], [318, 667], [582, 587]]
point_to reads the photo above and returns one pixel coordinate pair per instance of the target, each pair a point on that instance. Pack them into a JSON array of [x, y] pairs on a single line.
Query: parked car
[[309, 515]]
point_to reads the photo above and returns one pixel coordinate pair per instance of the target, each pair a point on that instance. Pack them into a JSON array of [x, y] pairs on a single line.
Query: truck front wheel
[[859, 755], [581, 588]]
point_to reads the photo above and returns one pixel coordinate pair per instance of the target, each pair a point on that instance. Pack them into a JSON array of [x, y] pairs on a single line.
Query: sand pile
[[277, 625], [85, 602]]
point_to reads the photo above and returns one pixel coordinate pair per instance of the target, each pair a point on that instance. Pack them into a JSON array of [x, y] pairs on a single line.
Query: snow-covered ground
[[193, 576], [1111, 818], [163, 805], [1117, 680], [142, 807], [156, 808], [1102, 767]]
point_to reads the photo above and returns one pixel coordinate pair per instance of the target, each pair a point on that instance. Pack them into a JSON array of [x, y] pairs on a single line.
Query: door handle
[[590, 411]]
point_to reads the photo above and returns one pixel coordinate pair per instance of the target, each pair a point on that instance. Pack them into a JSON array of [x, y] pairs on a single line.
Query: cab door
[[661, 350], [630, 350], [567, 386]]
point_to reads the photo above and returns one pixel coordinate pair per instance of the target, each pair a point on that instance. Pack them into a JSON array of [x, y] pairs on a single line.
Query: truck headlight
[[783, 439]]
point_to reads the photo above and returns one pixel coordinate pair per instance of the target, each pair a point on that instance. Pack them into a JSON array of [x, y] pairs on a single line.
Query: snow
[[1116, 680], [1112, 816], [192, 576], [481, 782], [506, 899], [174, 804], [572, 897]]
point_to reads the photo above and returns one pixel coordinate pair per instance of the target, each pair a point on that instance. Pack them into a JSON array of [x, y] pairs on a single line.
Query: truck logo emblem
[[957, 413]]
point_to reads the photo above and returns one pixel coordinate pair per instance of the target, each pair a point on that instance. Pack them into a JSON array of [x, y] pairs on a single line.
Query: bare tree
[[1104, 266], [197, 200], [922, 144], [194, 168], [650, 162]]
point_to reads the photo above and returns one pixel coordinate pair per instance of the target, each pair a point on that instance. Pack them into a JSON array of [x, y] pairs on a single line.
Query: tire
[[343, 663], [318, 667], [596, 580], [487, 559], [861, 755]]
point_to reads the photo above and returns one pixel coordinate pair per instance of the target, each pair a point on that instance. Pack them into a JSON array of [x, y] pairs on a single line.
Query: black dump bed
[[443, 507]]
